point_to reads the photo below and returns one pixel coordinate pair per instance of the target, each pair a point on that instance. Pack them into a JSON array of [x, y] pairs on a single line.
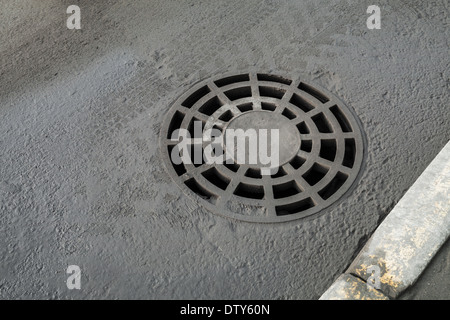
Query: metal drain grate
[[321, 147]]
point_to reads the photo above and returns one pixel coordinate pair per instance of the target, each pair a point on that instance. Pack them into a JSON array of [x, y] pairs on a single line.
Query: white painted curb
[[406, 241]]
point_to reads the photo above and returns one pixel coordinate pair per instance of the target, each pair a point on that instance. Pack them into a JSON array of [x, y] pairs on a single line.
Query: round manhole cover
[[313, 153]]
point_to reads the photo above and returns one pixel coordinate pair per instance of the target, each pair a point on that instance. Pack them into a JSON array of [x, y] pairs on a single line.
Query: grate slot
[[297, 162], [239, 93], [280, 173], [245, 107], [249, 191], [285, 190], [350, 153], [268, 106], [328, 149], [295, 207], [336, 183], [273, 78], [232, 166], [211, 106], [314, 92], [271, 92], [322, 123], [315, 174], [301, 103], [200, 190], [343, 122], [253, 173], [179, 168], [232, 79], [303, 128], [217, 179], [217, 128], [306, 145], [227, 116], [288, 114], [175, 123], [197, 95]]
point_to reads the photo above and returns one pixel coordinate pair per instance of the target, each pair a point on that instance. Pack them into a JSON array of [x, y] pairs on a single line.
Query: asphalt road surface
[[81, 177]]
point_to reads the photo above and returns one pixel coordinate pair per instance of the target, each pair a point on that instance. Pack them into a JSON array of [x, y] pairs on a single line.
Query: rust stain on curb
[[348, 287]]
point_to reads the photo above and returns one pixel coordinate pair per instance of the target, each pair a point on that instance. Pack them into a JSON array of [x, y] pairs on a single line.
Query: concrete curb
[[405, 242]]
